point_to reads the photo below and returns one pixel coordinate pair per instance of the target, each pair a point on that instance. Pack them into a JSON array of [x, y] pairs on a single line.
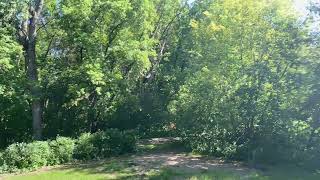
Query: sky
[[301, 5]]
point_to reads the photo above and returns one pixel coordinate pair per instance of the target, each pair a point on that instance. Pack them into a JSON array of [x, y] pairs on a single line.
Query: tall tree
[[27, 33]]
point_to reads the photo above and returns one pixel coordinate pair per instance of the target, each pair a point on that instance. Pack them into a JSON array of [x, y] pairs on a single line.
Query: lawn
[[156, 160], [116, 170]]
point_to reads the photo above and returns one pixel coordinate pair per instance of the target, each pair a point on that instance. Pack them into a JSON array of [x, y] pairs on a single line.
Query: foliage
[[245, 68], [1, 159], [29, 156], [85, 148], [104, 144], [61, 150], [26, 156], [233, 78], [3, 165], [14, 121]]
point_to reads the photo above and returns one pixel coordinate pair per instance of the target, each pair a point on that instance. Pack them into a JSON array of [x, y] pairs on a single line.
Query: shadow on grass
[[109, 169], [221, 174], [167, 174], [115, 169], [162, 159]]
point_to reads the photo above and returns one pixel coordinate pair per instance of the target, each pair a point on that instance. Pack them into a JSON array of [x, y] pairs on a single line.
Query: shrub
[[128, 142], [115, 142], [3, 165], [104, 144], [1, 159], [39, 153], [27, 156], [62, 149], [108, 142], [14, 155], [85, 148]]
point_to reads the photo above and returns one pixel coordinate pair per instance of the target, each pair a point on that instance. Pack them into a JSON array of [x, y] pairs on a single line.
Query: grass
[[274, 174], [124, 168], [204, 175], [53, 175], [112, 169]]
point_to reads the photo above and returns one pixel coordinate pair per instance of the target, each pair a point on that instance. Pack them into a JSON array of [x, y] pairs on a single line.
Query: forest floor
[[163, 158]]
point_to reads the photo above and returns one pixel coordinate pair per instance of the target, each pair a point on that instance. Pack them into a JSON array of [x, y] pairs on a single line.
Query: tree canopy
[[233, 78]]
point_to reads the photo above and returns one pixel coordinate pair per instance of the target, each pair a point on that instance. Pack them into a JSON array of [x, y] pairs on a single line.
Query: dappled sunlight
[[166, 164], [160, 89]]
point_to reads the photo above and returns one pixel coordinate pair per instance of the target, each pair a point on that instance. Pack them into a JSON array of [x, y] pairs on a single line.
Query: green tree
[[244, 67]]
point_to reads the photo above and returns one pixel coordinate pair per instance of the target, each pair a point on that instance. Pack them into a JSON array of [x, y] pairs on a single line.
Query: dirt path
[[163, 156]]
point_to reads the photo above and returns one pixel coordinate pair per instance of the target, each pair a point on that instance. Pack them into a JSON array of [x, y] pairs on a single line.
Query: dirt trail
[[180, 161]]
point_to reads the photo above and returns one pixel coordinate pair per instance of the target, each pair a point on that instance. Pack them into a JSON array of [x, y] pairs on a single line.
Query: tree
[[25, 17], [235, 78], [28, 39], [244, 67]]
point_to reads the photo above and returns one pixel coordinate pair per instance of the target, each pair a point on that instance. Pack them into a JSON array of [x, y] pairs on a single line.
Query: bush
[[27, 156], [128, 142], [1, 159], [109, 142], [39, 153], [104, 144], [61, 150], [14, 155], [85, 148], [36, 154], [115, 142], [3, 165]]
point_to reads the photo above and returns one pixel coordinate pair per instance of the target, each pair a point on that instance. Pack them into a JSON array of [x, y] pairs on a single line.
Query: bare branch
[[48, 48]]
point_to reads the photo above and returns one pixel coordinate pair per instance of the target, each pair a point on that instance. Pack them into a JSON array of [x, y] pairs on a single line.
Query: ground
[[163, 158]]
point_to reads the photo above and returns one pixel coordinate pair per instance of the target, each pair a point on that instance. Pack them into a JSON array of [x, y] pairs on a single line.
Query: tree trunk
[[27, 37]]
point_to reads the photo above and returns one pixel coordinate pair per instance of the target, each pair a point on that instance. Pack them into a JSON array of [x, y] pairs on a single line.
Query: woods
[[237, 79]]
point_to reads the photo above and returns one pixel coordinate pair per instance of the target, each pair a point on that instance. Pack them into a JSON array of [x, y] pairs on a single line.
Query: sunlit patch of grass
[[59, 174], [113, 169]]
